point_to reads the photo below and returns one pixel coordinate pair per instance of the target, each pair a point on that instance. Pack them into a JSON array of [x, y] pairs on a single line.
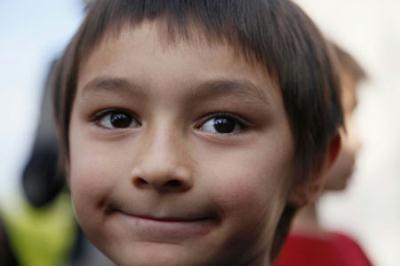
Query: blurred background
[[34, 33], [370, 208]]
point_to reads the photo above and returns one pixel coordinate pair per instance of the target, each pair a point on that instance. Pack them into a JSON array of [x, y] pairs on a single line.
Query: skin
[[168, 188]]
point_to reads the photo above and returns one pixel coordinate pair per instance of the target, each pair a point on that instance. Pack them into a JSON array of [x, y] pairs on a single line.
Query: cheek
[[252, 185], [250, 191], [94, 170], [86, 182]]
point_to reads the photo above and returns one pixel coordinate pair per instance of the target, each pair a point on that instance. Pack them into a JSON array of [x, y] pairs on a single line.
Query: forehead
[[349, 92], [157, 35], [146, 55]]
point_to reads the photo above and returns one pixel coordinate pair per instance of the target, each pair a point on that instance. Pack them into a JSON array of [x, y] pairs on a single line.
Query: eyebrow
[[202, 91], [120, 86], [227, 87]]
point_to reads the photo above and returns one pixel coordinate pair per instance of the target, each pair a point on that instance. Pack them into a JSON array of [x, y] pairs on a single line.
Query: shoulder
[[309, 250], [350, 248]]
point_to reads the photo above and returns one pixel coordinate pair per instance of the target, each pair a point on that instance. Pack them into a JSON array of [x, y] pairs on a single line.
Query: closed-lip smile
[[166, 228]]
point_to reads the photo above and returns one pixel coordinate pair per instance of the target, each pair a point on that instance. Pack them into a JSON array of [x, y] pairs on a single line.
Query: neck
[[307, 221]]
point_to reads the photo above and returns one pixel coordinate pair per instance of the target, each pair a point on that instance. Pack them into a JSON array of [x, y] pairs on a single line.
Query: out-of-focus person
[[7, 256], [309, 243]]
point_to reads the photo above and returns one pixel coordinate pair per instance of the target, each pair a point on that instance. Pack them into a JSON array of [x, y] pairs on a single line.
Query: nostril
[[140, 182], [173, 183]]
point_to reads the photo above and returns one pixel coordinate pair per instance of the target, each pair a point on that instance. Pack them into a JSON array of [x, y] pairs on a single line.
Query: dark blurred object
[[41, 180], [7, 256]]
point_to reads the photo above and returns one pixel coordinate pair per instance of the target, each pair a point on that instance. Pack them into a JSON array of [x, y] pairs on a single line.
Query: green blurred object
[[41, 237]]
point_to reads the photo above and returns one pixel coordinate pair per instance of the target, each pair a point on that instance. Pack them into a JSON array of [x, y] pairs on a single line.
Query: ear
[[306, 192], [65, 170]]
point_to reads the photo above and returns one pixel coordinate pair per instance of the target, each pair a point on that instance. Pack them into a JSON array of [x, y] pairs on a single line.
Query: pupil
[[224, 125], [120, 120]]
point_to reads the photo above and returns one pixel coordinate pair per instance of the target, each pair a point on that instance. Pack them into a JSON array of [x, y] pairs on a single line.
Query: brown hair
[[275, 33]]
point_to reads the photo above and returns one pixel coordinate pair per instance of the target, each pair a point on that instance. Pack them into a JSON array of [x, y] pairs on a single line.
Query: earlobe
[[306, 192]]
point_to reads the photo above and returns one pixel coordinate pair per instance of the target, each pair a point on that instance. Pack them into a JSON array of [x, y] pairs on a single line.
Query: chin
[[157, 254]]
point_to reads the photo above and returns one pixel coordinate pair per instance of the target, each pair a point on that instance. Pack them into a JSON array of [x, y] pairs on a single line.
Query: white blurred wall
[[370, 208]]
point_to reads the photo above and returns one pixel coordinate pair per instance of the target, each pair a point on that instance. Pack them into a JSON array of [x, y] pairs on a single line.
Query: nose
[[163, 166], [162, 179], [353, 140]]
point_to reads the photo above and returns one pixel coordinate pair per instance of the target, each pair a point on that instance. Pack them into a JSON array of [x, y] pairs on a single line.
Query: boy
[[309, 243], [193, 130]]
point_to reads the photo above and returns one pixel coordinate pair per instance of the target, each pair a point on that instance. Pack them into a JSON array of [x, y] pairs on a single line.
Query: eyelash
[[240, 124], [237, 123], [99, 116]]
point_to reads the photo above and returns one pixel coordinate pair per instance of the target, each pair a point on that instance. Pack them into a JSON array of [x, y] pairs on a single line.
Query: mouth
[[165, 228], [169, 219]]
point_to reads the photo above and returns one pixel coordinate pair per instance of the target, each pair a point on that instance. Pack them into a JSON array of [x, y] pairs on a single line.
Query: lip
[[168, 219], [165, 229]]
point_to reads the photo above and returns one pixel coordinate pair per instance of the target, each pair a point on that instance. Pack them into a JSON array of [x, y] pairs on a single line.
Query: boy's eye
[[116, 120], [223, 124]]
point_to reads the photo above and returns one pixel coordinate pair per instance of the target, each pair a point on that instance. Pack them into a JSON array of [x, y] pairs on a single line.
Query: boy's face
[[181, 154]]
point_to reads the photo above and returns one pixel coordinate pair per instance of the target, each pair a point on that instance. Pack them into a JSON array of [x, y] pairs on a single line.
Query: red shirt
[[331, 249]]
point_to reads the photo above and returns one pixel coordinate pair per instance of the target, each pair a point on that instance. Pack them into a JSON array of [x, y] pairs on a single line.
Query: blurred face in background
[[343, 168]]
